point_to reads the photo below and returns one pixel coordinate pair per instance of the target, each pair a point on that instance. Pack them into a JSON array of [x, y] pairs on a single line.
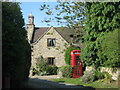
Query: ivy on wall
[[67, 54]]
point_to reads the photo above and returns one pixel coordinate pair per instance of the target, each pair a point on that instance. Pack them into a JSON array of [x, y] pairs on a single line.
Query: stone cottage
[[49, 42]]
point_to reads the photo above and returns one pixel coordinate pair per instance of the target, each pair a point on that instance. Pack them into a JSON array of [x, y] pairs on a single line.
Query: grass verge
[[96, 84]]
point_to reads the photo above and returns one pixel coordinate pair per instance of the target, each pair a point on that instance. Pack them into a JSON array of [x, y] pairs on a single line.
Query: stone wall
[[113, 72], [41, 49]]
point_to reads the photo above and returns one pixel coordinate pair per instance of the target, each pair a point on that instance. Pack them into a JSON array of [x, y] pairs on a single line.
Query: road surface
[[43, 83]]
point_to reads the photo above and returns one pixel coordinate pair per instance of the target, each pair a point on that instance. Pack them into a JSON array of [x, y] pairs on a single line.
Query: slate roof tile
[[66, 33]]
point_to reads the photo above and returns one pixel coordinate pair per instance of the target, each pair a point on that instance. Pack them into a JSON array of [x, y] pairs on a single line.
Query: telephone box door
[[77, 69]]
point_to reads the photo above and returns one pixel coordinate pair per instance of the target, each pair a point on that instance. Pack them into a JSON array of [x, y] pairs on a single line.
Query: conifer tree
[[16, 51]]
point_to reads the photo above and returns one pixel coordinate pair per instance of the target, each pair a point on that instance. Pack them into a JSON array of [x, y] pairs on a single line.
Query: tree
[[98, 19], [66, 14], [101, 18], [16, 50], [110, 49]]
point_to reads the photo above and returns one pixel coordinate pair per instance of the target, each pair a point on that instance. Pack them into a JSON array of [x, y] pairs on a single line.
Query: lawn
[[96, 84]]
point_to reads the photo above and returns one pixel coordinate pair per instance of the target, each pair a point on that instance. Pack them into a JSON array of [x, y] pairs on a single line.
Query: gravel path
[[47, 77]]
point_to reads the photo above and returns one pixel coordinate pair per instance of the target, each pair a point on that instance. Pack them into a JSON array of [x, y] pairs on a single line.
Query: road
[[42, 83]]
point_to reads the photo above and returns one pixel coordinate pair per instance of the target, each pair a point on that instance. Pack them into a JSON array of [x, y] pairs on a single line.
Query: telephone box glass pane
[[77, 57]]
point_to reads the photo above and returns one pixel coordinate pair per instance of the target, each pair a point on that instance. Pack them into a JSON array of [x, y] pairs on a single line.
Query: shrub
[[88, 77], [99, 75], [47, 70], [34, 71], [40, 65], [51, 70], [42, 73], [108, 77], [66, 71], [44, 69]]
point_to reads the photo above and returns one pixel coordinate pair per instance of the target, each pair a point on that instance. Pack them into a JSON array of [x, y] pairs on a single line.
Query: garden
[[93, 78]]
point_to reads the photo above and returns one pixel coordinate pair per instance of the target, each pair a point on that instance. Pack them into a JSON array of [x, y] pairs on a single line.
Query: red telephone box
[[76, 63]]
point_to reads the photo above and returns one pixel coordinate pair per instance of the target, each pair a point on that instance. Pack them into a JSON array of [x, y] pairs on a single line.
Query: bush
[[99, 75], [88, 77], [66, 71], [51, 70], [47, 70], [44, 69], [34, 71], [108, 77]]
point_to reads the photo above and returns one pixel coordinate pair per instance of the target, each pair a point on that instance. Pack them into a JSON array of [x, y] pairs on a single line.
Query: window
[[77, 60], [77, 57], [51, 60], [50, 42]]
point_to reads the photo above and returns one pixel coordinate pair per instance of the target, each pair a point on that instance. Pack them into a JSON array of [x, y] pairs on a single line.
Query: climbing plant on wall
[[67, 54]]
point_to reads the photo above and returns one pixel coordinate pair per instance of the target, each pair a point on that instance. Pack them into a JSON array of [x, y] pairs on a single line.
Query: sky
[[39, 16]]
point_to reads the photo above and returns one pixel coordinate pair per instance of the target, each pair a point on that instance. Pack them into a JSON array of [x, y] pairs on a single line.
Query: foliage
[[67, 54], [101, 18], [66, 14], [98, 19], [51, 70], [70, 14], [99, 75], [16, 49], [108, 77], [91, 76], [41, 66], [110, 49], [41, 63], [66, 71], [88, 77], [44, 69]]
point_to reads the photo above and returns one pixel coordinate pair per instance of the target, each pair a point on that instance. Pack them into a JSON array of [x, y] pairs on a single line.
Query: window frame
[[51, 60], [52, 42]]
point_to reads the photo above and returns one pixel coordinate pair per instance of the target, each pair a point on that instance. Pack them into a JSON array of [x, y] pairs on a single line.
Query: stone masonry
[[41, 49]]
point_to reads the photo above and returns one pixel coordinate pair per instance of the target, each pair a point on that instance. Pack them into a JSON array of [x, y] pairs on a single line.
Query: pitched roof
[[38, 32], [64, 32]]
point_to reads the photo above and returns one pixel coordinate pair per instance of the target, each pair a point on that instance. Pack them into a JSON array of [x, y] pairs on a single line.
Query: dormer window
[[51, 42]]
